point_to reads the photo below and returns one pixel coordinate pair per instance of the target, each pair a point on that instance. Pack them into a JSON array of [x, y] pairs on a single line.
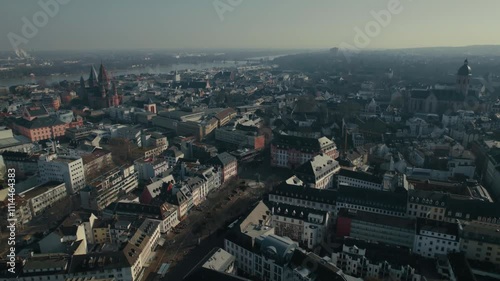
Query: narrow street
[[45, 222], [205, 227]]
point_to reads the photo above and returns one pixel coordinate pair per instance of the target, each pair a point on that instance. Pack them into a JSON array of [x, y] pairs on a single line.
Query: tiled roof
[[473, 208], [225, 113], [386, 200], [430, 198], [301, 143], [41, 122], [291, 211], [224, 159], [360, 176], [317, 166], [327, 196]]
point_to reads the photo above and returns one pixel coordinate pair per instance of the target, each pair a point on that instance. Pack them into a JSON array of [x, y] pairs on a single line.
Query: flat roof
[[378, 218], [438, 227], [98, 152], [219, 260], [37, 190]]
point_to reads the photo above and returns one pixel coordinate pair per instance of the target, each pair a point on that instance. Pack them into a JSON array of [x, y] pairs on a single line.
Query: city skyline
[[125, 25]]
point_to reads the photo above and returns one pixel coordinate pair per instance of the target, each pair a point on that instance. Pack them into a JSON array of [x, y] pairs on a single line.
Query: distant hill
[[476, 50]]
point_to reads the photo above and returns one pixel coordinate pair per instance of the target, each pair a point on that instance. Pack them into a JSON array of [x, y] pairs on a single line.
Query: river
[[158, 69]]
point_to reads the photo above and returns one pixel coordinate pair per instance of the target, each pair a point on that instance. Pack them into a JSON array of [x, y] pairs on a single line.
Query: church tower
[[103, 77], [93, 78], [463, 78], [114, 99], [150, 106]]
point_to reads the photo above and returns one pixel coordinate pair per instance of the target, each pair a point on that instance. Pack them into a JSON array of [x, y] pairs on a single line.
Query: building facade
[[67, 169], [291, 152], [436, 238], [480, 241], [366, 260], [376, 227], [109, 188], [359, 179], [306, 226], [319, 172], [241, 138], [227, 163], [44, 196]]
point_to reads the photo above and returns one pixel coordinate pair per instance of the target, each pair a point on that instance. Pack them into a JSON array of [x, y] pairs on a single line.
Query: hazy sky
[[158, 24]]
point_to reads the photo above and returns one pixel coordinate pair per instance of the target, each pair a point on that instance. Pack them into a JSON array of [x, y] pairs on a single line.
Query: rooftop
[[219, 260], [301, 143], [392, 201], [13, 141], [318, 165], [98, 261], [328, 196], [437, 227], [56, 262], [38, 190], [296, 212], [224, 158], [97, 153], [379, 252], [310, 265], [39, 122], [481, 231], [360, 176], [380, 219]]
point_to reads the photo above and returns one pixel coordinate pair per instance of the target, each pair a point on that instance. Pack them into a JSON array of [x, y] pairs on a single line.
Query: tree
[[120, 150]]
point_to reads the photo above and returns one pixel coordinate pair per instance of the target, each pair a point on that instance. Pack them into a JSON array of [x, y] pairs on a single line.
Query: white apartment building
[[172, 155], [43, 196], [303, 225], [359, 179], [67, 169], [364, 259], [268, 259], [427, 204], [319, 172], [109, 187], [148, 168], [318, 199], [436, 238]]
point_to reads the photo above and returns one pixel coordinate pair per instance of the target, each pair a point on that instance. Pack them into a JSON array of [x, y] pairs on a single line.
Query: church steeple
[[113, 98], [93, 77], [103, 77], [82, 82], [464, 74]]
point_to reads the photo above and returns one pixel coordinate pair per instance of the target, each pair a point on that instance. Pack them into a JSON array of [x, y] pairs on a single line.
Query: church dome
[[465, 69]]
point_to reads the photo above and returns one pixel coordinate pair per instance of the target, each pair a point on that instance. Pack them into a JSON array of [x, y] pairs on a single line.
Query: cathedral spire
[[82, 82], [103, 77], [93, 77]]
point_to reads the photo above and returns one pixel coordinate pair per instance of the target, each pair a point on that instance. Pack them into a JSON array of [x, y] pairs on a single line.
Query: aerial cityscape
[[233, 140]]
